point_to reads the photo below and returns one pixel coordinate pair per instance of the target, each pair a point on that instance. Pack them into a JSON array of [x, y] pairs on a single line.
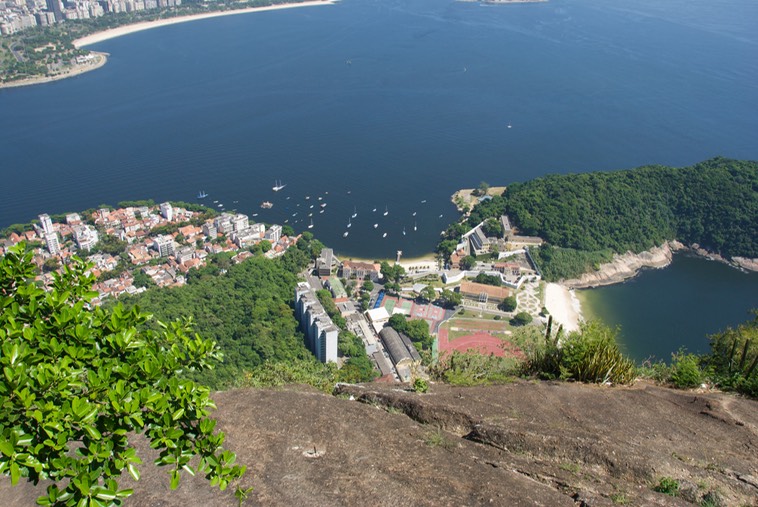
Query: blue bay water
[[373, 104]]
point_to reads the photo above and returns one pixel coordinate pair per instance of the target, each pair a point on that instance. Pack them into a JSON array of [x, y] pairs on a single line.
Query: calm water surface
[[384, 104], [662, 310]]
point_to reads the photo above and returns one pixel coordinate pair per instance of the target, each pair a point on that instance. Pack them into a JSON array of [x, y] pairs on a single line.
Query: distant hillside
[[714, 203], [586, 218], [246, 311]]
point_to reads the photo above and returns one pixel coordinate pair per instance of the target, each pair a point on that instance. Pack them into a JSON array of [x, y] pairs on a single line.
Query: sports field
[[484, 336]]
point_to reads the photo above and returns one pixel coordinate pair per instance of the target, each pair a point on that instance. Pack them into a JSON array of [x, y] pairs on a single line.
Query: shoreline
[[112, 33], [76, 70], [148, 25], [410, 264], [564, 306], [626, 266]]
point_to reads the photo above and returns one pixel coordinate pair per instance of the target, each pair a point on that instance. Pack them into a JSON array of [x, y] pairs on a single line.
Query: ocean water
[[662, 310], [384, 104]]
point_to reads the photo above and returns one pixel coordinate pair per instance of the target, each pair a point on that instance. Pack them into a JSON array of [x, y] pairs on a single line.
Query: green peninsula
[[587, 218]]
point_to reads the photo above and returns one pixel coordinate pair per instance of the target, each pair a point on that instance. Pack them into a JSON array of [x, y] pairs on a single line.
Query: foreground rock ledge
[[528, 443]]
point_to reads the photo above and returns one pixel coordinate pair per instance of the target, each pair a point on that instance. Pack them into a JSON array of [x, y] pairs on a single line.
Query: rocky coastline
[[628, 265]]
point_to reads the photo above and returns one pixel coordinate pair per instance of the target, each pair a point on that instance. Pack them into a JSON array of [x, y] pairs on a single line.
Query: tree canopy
[[587, 217], [80, 382]]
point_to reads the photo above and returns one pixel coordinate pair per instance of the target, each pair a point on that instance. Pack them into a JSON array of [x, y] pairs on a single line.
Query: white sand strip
[[563, 305], [147, 25]]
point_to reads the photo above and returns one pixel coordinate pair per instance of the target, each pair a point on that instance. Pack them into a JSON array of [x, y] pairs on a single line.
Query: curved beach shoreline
[[102, 58], [147, 25]]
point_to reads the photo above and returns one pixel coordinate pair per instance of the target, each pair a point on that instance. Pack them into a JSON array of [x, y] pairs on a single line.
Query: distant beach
[[147, 25], [563, 305]]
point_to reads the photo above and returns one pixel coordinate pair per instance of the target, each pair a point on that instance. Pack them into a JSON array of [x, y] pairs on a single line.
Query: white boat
[[307, 197], [311, 206], [355, 212], [310, 214], [374, 210], [278, 186], [386, 211], [510, 126], [344, 234], [310, 225], [255, 214], [321, 211], [220, 205], [414, 226], [403, 231], [423, 202], [323, 205], [440, 216], [349, 223], [384, 235], [376, 225], [202, 194], [267, 205], [414, 213]]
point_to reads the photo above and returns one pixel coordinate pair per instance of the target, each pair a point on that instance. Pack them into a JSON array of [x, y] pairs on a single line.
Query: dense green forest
[[590, 215], [247, 311]]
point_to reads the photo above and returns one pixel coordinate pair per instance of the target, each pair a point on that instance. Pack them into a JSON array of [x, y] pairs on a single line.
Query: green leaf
[[6, 448], [15, 473], [133, 471], [174, 479]]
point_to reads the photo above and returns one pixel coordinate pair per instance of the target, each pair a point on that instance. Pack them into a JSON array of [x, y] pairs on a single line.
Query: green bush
[[667, 486], [521, 319], [733, 360], [420, 385], [471, 368], [685, 370], [509, 304], [590, 355]]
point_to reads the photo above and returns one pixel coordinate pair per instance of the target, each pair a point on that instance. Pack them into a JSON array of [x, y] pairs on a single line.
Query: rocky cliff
[[527, 443], [625, 266]]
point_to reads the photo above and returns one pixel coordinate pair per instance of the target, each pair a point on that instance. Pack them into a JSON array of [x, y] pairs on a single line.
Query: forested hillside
[[714, 203], [247, 311], [585, 218]]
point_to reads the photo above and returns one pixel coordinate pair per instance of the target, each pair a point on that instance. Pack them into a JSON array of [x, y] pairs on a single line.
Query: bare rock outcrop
[[626, 266], [527, 443]]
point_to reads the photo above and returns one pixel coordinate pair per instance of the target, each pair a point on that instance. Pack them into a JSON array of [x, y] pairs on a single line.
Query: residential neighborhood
[[134, 247]]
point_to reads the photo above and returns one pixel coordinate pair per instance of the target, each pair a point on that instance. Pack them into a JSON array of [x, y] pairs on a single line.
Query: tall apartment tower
[[49, 234], [55, 7], [46, 223], [167, 211]]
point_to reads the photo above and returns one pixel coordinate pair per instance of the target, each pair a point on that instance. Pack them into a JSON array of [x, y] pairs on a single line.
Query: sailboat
[[349, 223], [386, 211], [278, 186], [355, 212], [310, 225]]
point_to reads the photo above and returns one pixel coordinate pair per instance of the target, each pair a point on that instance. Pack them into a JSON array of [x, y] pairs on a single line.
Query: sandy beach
[[147, 25], [563, 305], [411, 265]]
